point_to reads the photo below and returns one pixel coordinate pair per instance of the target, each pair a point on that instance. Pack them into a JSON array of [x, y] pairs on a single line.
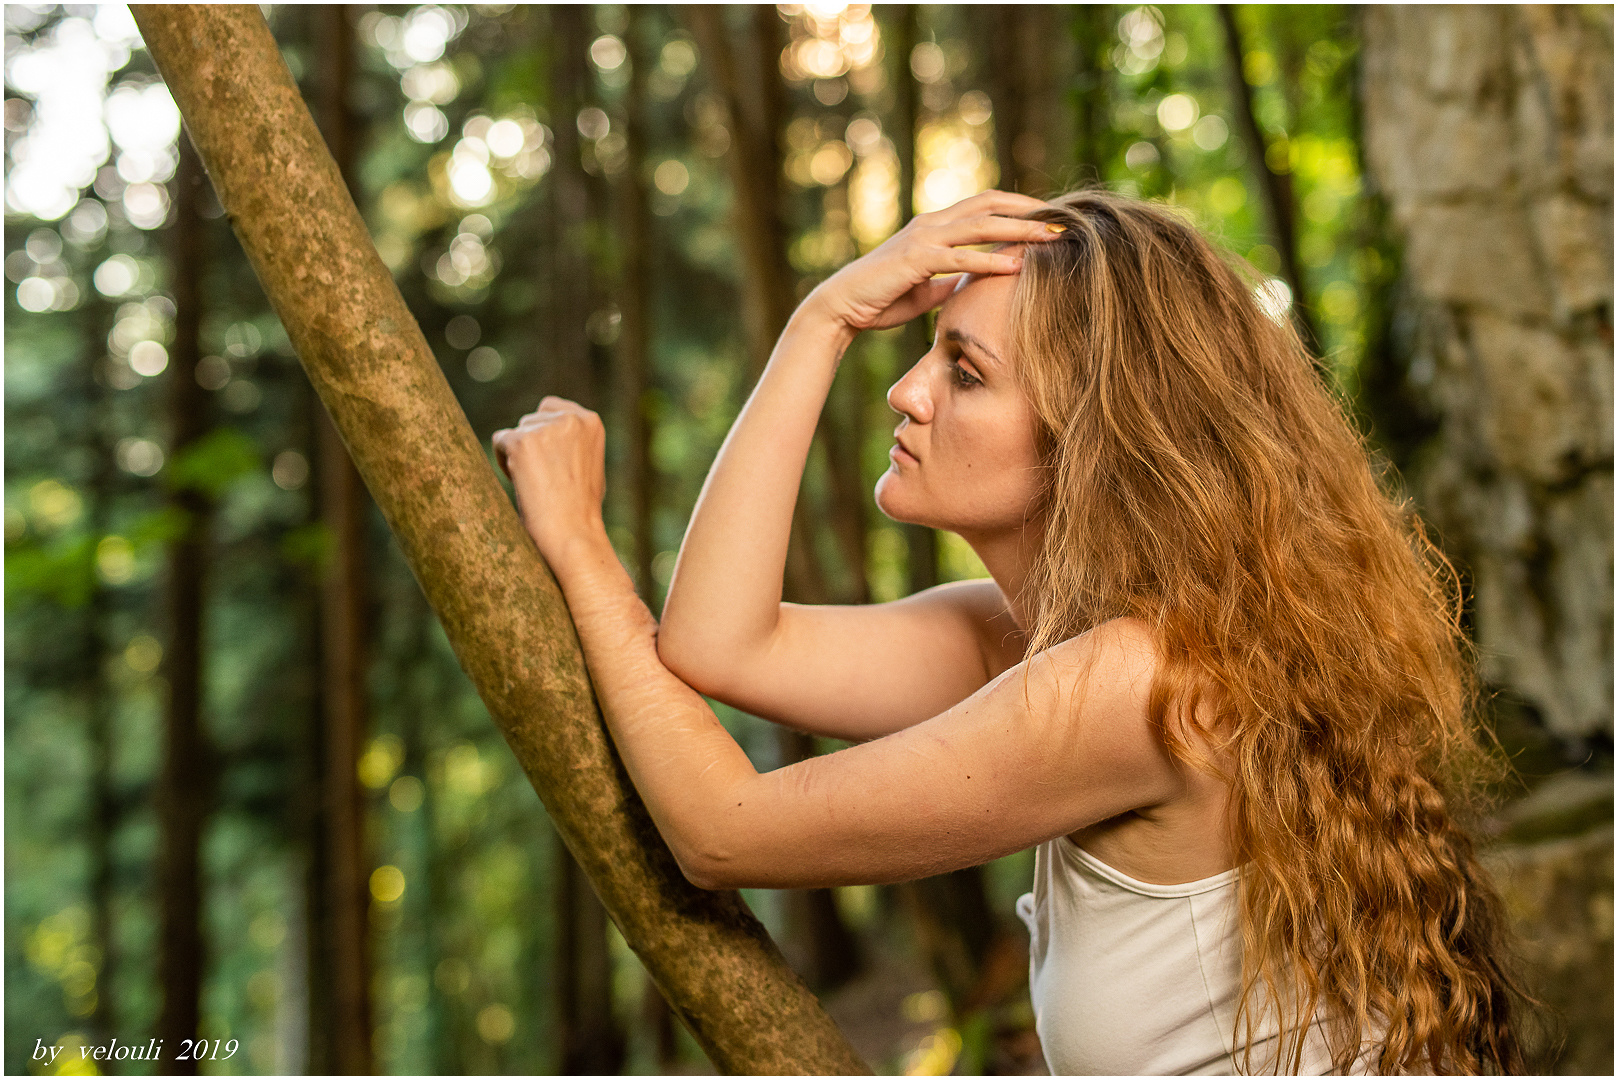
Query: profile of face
[[965, 458]]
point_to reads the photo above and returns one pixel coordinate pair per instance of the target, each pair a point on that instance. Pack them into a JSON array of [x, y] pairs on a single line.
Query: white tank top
[[1130, 978]]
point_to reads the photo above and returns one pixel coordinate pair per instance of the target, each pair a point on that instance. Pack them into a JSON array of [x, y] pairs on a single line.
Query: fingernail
[[1052, 227]]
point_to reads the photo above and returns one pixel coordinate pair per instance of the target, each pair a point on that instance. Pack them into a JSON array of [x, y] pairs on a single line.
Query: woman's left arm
[[1017, 763]]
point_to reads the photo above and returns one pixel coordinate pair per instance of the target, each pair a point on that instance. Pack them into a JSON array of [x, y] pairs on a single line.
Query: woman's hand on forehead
[[916, 269]]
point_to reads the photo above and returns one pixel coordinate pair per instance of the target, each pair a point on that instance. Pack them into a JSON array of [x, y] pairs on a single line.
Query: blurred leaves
[[214, 462]]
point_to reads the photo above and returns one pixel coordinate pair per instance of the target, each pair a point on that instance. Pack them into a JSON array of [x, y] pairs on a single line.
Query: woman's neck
[[1008, 556]]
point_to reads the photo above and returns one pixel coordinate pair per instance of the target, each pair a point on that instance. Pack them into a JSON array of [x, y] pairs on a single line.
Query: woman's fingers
[[1004, 203], [967, 261], [918, 301], [992, 229]]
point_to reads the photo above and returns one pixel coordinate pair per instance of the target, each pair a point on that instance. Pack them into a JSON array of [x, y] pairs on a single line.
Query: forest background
[[249, 793]]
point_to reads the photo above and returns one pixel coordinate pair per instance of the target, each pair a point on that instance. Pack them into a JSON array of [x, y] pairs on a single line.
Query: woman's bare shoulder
[[980, 608]]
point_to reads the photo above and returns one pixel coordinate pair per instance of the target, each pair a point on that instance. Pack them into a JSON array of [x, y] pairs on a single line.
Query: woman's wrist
[[580, 552], [816, 318]]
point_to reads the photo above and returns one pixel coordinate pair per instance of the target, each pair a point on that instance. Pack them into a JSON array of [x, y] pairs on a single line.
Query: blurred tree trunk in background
[[424, 704], [306, 817], [345, 708], [100, 697], [590, 1042], [635, 287], [1091, 28], [568, 373], [819, 945], [751, 88], [1270, 164], [953, 923], [185, 788], [921, 543], [843, 430], [1026, 63], [749, 85], [1489, 132], [588, 1037]]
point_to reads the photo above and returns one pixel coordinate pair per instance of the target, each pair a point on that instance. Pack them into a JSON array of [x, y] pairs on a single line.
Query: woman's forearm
[[724, 602], [686, 766]]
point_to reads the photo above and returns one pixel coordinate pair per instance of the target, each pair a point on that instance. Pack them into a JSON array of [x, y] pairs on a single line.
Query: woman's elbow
[[703, 869], [702, 877], [688, 661]]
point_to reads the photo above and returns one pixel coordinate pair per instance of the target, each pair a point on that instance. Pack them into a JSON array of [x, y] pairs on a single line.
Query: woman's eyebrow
[[961, 337]]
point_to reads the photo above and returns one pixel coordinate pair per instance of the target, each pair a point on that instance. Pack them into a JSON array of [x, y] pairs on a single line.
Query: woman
[[1217, 676]]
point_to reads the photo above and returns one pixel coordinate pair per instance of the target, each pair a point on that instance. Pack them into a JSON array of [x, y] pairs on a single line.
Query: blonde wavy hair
[[1203, 480]]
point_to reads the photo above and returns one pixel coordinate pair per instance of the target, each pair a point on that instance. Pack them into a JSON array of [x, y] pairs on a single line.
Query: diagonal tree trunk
[[345, 709], [433, 482]]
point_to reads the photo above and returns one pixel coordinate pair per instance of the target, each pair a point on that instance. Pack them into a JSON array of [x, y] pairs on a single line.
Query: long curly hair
[[1201, 478]]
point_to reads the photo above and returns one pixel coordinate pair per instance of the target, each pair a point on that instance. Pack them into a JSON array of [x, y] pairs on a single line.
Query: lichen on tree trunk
[[433, 483]]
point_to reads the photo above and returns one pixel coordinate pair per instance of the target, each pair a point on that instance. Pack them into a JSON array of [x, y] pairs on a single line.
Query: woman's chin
[[894, 500]]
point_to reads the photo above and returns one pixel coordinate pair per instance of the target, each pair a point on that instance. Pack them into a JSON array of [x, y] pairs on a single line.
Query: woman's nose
[[910, 396]]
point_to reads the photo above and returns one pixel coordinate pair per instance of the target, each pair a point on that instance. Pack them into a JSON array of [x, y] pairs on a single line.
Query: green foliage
[[214, 462], [63, 572], [470, 939], [309, 545]]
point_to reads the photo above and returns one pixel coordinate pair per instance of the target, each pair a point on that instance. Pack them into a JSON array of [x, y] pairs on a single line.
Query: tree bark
[[183, 791], [1488, 131], [1495, 154], [344, 603], [478, 568], [1276, 184]]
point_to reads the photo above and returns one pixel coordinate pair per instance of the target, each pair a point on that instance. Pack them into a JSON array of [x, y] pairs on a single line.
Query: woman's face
[[965, 458]]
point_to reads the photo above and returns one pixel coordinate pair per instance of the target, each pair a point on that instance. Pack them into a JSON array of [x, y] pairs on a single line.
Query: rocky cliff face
[[1489, 133]]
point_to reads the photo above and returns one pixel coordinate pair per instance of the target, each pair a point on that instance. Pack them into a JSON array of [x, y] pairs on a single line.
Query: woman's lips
[[900, 456]]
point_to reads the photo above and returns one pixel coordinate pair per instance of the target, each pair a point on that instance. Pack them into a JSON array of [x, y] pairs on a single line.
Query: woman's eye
[[962, 376]]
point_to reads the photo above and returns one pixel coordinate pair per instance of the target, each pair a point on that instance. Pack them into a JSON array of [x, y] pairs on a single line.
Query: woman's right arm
[[851, 672]]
